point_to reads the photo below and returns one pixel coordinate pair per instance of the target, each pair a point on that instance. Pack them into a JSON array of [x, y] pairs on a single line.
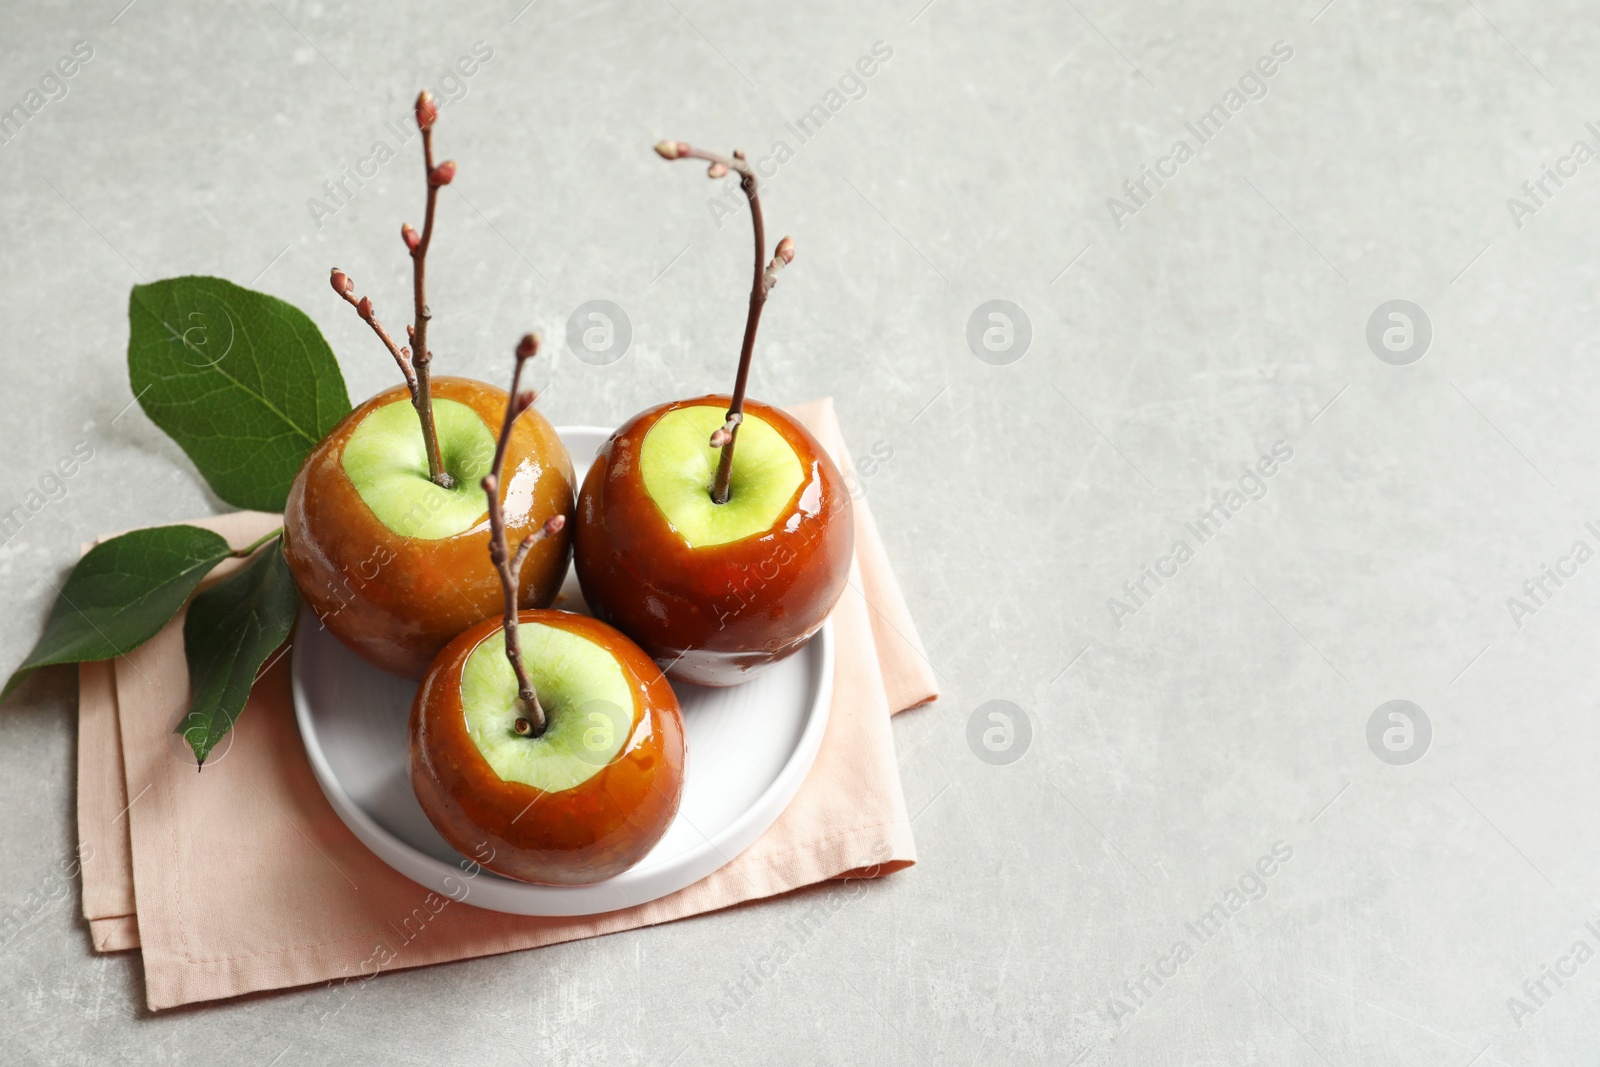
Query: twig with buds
[[402, 356], [443, 174], [414, 359], [766, 276], [509, 566]]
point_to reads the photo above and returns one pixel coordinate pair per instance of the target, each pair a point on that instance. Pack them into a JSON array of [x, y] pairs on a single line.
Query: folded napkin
[[242, 878]]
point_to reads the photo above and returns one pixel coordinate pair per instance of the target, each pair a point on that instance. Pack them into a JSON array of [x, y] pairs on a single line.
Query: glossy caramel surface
[[596, 829], [712, 615], [397, 600]]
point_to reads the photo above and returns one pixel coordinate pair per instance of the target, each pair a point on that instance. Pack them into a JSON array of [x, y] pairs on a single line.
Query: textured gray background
[[1228, 313]]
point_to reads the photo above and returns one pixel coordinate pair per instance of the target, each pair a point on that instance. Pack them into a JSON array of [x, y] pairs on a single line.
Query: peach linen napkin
[[242, 878]]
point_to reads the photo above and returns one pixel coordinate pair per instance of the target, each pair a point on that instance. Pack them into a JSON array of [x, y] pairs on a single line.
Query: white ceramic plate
[[749, 748]]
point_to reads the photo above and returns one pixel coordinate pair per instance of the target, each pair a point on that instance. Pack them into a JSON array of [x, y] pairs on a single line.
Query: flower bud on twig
[[724, 433], [427, 110], [528, 347], [444, 173], [783, 256], [410, 236], [364, 308], [341, 282]]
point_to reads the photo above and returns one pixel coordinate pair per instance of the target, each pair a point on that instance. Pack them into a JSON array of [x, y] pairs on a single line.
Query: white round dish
[[749, 748]]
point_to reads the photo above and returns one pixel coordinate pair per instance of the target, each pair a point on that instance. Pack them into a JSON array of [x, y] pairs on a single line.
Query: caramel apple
[[396, 565], [583, 801], [545, 741], [713, 592], [719, 560], [385, 529]]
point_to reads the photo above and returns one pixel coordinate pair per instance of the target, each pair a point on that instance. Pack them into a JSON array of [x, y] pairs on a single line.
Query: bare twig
[[414, 360], [443, 174], [766, 276], [507, 565], [402, 356]]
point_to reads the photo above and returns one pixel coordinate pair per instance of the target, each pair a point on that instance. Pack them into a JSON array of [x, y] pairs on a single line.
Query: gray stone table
[[1220, 845]]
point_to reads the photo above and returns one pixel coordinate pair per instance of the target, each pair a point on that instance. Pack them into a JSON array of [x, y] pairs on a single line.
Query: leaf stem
[[249, 550]]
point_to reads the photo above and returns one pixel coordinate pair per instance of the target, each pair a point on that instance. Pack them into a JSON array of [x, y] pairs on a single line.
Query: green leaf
[[241, 380], [231, 630], [121, 593]]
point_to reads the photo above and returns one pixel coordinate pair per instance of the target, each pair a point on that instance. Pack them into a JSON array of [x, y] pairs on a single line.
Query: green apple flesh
[[387, 462], [586, 700], [678, 467]]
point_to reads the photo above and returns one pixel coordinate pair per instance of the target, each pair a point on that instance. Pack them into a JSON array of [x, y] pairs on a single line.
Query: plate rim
[[507, 895]]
